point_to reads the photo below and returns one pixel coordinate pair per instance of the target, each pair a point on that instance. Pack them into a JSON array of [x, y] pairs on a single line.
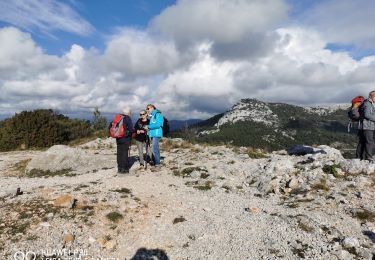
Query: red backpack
[[355, 112], [117, 128]]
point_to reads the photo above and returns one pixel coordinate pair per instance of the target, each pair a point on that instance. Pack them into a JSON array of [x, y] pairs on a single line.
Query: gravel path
[[204, 204]]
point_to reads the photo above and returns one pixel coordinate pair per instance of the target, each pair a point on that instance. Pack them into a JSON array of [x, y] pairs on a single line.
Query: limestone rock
[[63, 201], [350, 242], [57, 158], [101, 241], [68, 238], [110, 245], [292, 183], [45, 224]]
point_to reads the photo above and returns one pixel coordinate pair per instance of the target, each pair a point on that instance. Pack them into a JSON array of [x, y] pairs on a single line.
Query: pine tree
[[99, 122]]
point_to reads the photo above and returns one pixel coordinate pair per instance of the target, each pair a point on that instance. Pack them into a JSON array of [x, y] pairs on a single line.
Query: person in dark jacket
[[366, 129], [123, 143], [141, 137]]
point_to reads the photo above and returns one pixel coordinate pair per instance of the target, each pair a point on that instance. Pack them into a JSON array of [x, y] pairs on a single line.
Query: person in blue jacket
[[155, 131]]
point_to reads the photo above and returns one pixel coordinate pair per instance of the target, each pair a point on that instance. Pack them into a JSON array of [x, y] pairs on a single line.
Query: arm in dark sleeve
[[136, 126], [128, 125]]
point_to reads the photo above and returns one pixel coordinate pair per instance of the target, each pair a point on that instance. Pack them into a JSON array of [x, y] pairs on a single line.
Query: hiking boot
[[156, 168], [123, 171], [370, 160], [151, 163], [19, 192]]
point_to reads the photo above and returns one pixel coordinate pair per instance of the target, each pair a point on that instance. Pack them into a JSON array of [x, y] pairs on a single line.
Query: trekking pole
[[147, 150], [130, 145]]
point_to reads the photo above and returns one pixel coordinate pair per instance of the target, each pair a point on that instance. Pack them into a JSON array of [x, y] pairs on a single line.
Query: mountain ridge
[[277, 125]]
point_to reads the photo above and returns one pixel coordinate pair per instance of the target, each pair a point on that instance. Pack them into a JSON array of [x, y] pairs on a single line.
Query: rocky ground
[[206, 203]]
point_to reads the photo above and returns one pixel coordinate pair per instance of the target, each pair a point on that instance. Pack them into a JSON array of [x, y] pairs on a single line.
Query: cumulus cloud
[[302, 71], [343, 21], [189, 64], [138, 53], [236, 29], [218, 20], [78, 80], [44, 15], [20, 56]]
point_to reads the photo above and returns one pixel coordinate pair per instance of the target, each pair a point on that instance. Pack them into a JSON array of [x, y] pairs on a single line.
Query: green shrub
[[40, 128], [331, 169], [114, 216]]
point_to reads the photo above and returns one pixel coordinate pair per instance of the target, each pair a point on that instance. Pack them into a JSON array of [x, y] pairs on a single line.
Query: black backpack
[[165, 127]]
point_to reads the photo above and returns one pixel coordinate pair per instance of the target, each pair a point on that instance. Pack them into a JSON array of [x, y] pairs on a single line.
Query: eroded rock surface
[[206, 203]]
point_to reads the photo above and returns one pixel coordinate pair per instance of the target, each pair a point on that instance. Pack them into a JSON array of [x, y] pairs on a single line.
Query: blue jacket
[[156, 124]]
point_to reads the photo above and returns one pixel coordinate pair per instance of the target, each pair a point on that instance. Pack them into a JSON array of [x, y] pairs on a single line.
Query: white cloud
[[343, 21], [237, 29], [308, 46], [44, 15], [196, 71], [137, 53], [221, 21], [20, 56]]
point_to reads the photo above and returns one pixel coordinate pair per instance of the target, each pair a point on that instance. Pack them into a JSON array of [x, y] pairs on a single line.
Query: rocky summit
[[276, 126], [207, 202]]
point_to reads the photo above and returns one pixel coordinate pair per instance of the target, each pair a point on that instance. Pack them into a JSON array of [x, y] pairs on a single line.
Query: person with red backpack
[[366, 128], [121, 128]]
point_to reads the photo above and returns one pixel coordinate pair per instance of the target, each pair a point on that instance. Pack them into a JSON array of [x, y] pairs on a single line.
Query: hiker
[[141, 137], [124, 142], [155, 131], [366, 129]]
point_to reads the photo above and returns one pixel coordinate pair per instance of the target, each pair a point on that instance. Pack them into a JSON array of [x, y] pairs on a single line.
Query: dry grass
[[19, 168], [255, 153], [168, 145], [189, 163], [41, 173], [206, 186], [226, 188], [200, 186], [332, 169], [114, 216], [321, 185], [305, 227], [29, 213], [365, 215], [187, 172], [123, 191]]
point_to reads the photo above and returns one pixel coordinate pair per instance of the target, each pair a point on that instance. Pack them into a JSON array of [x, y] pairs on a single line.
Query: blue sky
[[193, 58], [104, 16]]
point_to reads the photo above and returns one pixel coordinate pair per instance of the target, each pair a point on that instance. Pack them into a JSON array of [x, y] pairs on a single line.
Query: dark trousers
[[123, 154], [365, 144]]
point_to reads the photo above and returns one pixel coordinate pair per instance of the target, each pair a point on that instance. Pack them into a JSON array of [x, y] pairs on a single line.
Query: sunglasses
[[142, 114]]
